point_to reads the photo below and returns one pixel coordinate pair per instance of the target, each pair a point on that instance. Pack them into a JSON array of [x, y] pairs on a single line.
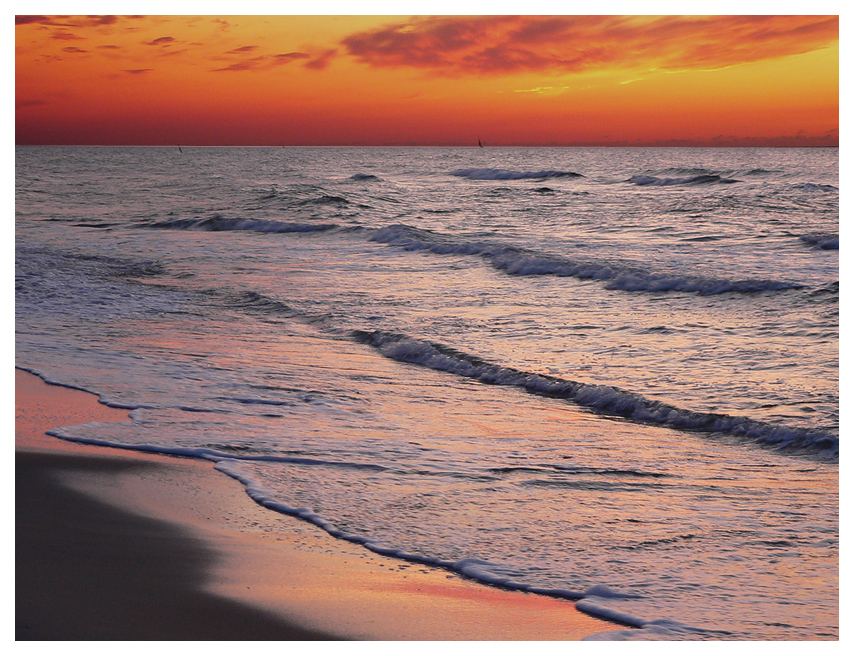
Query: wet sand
[[117, 545]]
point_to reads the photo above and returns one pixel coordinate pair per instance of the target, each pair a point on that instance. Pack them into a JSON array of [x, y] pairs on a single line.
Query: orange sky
[[395, 80]]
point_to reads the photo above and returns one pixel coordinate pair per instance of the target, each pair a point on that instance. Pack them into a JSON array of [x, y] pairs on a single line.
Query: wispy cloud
[[241, 50], [66, 36], [322, 61], [504, 44], [551, 91], [263, 62]]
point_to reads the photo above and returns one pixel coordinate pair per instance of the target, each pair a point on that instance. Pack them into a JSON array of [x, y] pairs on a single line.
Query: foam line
[[523, 262]]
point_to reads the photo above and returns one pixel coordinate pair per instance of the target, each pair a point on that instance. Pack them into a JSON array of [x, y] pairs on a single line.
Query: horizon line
[[816, 143]]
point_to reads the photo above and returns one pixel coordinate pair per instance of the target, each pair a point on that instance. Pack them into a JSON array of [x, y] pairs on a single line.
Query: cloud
[[101, 20], [322, 61], [549, 91], [263, 62], [160, 41], [74, 51], [27, 20], [138, 71], [66, 36], [287, 58], [67, 21], [241, 49], [456, 45]]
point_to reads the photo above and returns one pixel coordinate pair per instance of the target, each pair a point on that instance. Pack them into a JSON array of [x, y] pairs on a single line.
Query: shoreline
[[101, 519]]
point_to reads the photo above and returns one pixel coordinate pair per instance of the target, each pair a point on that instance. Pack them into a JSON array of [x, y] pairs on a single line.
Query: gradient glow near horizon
[[446, 80]]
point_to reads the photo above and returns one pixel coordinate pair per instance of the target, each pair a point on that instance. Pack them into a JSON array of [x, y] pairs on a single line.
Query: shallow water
[[549, 369]]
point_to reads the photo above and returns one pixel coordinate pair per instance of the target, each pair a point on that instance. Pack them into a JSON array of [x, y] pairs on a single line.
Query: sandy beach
[[114, 545]]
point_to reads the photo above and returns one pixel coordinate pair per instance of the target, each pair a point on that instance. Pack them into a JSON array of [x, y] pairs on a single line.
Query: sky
[[530, 80]]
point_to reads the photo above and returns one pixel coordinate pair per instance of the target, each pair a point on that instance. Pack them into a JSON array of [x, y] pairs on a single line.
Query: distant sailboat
[[478, 142]]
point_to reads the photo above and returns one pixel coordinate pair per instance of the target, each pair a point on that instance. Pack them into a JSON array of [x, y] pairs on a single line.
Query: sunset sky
[[446, 80]]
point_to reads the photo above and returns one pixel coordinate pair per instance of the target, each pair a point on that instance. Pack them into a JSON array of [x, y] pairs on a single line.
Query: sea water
[[607, 375]]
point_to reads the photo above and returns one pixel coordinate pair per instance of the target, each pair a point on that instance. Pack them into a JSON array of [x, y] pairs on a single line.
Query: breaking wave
[[602, 399], [522, 262]]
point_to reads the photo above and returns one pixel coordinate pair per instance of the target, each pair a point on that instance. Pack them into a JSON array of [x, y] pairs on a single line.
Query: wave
[[364, 177], [480, 570], [505, 174], [325, 200], [814, 186], [107, 265], [253, 302], [703, 178], [229, 462], [221, 224], [593, 600], [522, 262], [825, 242], [830, 289], [602, 399], [762, 171], [512, 260], [576, 470]]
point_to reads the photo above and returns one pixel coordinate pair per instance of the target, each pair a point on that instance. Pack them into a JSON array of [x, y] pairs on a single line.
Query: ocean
[[609, 375]]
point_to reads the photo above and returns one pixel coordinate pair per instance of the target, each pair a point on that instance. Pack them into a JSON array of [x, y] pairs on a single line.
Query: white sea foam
[[522, 262]]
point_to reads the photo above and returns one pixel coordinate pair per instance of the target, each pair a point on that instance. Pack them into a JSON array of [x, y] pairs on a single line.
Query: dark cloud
[[68, 21], [109, 47], [27, 20], [502, 44], [138, 71], [74, 51]]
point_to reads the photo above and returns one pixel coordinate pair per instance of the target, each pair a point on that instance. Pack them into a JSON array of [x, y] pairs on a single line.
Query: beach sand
[[117, 545]]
